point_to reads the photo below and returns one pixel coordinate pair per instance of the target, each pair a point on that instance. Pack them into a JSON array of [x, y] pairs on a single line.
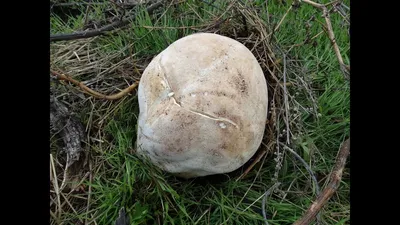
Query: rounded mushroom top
[[203, 106]]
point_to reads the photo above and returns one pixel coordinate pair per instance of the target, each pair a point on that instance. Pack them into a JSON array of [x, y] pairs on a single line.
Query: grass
[[319, 121]]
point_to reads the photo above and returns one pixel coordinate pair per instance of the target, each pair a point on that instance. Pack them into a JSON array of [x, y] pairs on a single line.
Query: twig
[[67, 4], [325, 13], [87, 34], [330, 189], [317, 5], [264, 201], [102, 30], [345, 68], [77, 3], [96, 94]]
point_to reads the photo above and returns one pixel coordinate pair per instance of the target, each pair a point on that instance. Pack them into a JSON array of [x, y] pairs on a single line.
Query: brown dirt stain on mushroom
[[227, 146], [240, 83]]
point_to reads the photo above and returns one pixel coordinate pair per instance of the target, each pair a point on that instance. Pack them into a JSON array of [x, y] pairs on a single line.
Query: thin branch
[[331, 188], [91, 92], [345, 68], [66, 4], [88, 34], [317, 5], [325, 13], [102, 30]]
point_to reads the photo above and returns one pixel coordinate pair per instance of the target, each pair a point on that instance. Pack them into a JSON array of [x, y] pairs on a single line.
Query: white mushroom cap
[[203, 106]]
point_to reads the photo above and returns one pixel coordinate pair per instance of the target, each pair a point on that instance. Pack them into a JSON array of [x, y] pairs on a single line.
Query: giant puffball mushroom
[[203, 106]]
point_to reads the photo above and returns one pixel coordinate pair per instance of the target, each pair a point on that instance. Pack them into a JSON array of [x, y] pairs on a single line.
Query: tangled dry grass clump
[[85, 72]]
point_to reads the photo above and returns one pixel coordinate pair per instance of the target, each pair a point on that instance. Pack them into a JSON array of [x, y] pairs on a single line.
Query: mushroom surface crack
[[199, 113]]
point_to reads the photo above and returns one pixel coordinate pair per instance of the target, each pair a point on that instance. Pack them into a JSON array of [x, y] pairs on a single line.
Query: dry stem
[[102, 30], [325, 13], [330, 189], [96, 94]]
